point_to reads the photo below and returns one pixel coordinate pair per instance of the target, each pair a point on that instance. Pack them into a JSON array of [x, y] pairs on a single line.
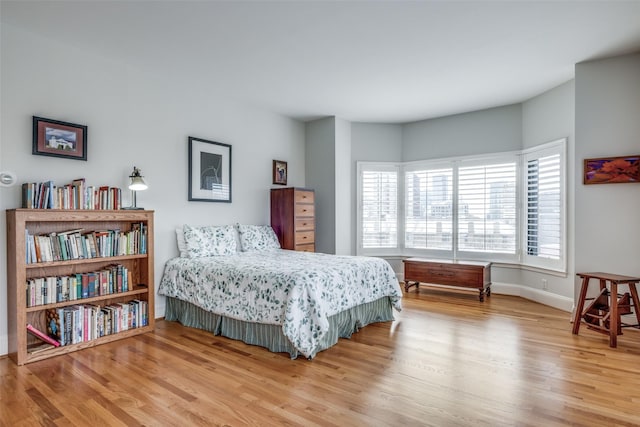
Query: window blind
[[379, 209], [544, 207], [429, 209], [487, 202]]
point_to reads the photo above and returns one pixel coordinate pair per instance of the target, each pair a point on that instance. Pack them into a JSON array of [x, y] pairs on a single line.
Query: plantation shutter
[[379, 209], [429, 209], [544, 207], [487, 208]]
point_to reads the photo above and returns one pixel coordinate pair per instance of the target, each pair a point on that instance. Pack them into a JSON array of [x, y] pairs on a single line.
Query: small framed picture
[[59, 139], [209, 171], [279, 172], [612, 170]]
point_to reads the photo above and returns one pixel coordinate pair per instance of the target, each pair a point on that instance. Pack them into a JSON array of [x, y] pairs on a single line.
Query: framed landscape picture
[[612, 170], [59, 139], [209, 171]]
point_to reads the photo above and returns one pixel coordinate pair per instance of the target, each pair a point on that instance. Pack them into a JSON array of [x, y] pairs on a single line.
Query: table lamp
[[136, 183]]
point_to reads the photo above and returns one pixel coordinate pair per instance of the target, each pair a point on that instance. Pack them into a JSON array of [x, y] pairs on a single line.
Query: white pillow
[[257, 238], [182, 245], [210, 240]]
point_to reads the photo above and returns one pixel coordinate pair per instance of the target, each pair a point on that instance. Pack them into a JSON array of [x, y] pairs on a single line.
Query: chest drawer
[[304, 197], [302, 210], [307, 247], [305, 237], [305, 225]]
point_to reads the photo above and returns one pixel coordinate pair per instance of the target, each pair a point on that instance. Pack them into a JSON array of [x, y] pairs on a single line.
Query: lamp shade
[[137, 181]]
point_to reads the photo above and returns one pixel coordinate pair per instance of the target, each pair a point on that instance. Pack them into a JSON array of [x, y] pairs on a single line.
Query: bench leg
[[408, 285]]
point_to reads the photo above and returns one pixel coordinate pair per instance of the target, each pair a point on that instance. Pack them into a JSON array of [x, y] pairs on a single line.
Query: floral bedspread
[[298, 290]]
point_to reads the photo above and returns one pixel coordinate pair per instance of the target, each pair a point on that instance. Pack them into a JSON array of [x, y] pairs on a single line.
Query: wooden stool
[[603, 314]]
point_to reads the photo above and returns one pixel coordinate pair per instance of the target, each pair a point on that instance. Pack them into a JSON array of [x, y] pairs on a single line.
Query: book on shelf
[[44, 337], [55, 325], [80, 244], [112, 279], [75, 195]]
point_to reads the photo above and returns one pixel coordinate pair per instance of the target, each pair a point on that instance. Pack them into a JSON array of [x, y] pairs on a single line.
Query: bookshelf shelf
[[23, 222], [101, 298], [57, 351], [97, 260]]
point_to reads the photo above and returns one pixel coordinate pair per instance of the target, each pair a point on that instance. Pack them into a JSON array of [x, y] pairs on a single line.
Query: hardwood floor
[[448, 360]]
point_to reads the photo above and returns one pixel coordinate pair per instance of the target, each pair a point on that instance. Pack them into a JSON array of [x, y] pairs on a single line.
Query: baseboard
[[4, 345], [160, 310], [537, 295]]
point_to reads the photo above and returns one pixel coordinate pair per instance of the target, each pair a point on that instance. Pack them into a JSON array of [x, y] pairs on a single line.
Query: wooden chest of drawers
[[293, 213], [466, 274]]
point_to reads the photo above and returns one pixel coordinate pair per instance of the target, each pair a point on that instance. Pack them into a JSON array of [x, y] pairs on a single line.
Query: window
[[378, 206], [468, 208], [428, 211], [544, 210], [487, 203]]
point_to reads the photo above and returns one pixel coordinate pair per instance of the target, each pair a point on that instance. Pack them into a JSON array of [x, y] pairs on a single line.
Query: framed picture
[[209, 171], [279, 172], [59, 139], [612, 170]]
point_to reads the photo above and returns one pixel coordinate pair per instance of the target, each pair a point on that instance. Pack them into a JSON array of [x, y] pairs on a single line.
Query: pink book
[[42, 336]]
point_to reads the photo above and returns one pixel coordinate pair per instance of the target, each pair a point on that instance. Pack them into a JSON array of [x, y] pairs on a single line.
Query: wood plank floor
[[448, 360]]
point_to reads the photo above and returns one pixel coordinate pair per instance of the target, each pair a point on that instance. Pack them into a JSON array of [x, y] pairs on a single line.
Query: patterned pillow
[[257, 238], [182, 245], [210, 240]]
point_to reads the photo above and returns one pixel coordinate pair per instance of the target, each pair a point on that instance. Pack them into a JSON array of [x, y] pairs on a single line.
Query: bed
[[294, 302]]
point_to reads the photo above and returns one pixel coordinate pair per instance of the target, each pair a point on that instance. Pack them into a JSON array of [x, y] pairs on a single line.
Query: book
[[75, 195], [44, 337], [27, 195], [54, 325]]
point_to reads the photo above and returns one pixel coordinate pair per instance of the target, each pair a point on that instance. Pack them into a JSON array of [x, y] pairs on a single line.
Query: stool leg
[[636, 301], [614, 319], [578, 314]]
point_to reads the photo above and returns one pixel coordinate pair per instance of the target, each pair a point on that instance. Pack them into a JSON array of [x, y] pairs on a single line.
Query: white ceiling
[[371, 61]]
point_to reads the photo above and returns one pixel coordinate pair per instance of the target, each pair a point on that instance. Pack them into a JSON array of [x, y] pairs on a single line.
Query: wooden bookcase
[[40, 222]]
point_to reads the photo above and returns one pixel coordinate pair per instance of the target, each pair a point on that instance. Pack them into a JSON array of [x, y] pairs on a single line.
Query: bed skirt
[[341, 325]]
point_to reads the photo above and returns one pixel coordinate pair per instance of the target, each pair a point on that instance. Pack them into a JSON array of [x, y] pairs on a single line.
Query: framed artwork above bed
[[209, 171]]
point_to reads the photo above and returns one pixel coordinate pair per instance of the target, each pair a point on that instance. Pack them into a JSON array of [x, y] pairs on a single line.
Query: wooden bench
[[465, 274]]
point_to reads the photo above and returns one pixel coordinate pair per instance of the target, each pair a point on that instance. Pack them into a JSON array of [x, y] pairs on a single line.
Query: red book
[[44, 337]]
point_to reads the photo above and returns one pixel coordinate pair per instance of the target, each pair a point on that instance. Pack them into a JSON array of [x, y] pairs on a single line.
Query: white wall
[[135, 117], [320, 137], [344, 233], [479, 132], [607, 235], [548, 117]]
